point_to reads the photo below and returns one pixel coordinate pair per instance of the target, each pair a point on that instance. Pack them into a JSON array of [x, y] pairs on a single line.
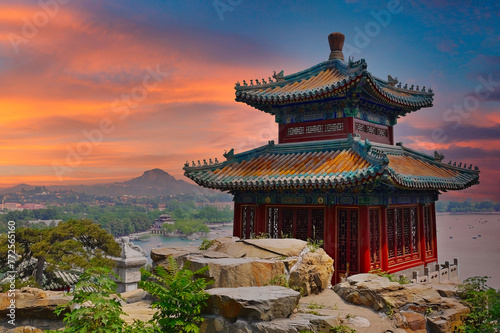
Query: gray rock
[[252, 303]]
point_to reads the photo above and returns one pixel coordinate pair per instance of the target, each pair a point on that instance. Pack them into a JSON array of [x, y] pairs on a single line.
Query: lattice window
[[287, 223], [248, 221], [244, 214], [402, 234], [295, 130], [318, 224], [414, 229], [334, 127], [314, 129], [428, 231], [360, 127], [399, 232], [353, 241], [273, 222], [382, 132], [374, 238], [371, 130], [407, 230], [342, 239], [391, 233], [302, 224]]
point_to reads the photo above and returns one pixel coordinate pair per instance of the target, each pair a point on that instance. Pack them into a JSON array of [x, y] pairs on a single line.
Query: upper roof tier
[[334, 78]]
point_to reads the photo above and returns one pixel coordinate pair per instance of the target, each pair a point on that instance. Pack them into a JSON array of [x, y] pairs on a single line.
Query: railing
[[437, 273]]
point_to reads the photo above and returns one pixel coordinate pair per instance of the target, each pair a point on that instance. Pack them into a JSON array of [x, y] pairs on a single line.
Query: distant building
[[218, 205], [33, 206], [12, 206], [163, 219]]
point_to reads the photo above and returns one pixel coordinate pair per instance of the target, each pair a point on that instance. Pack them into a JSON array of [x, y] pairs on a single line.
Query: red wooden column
[[434, 229], [260, 219], [384, 252], [330, 245], [421, 231], [237, 220], [364, 239], [329, 237]]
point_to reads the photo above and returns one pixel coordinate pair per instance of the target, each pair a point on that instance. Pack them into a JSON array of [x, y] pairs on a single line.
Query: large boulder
[[414, 307], [252, 303], [312, 273], [238, 272], [256, 262]]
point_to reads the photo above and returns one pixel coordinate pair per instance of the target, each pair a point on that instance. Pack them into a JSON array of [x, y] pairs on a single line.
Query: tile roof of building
[[331, 163], [327, 80]]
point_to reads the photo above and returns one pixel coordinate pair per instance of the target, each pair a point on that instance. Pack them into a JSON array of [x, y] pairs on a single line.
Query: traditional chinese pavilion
[[336, 174]]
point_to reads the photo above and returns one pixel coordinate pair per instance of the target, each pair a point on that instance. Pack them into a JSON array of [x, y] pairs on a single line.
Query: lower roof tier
[[331, 164]]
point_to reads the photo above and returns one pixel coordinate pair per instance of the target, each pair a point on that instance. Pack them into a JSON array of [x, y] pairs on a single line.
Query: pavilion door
[[247, 221], [347, 241]]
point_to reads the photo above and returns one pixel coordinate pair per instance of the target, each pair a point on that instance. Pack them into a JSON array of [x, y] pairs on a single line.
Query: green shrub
[[179, 295], [314, 244], [484, 303], [94, 309], [206, 244]]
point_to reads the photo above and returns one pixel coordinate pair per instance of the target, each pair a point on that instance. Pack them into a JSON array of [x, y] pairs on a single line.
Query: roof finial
[[336, 41]]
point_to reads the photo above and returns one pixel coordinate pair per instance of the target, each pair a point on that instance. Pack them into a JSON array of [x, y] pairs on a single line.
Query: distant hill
[[155, 182]]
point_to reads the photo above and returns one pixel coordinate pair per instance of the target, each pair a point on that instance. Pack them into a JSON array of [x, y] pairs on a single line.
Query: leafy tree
[[94, 309], [75, 243], [484, 303], [180, 297]]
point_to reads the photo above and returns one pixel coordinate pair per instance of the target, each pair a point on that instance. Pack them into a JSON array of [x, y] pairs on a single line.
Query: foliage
[[187, 226], [282, 281], [260, 235], [94, 309], [484, 303], [75, 243], [180, 297], [392, 277], [314, 244], [313, 306], [206, 244], [211, 214], [467, 206], [342, 329]]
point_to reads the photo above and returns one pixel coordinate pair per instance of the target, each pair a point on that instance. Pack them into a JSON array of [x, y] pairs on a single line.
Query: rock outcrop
[[414, 307], [34, 307], [235, 263]]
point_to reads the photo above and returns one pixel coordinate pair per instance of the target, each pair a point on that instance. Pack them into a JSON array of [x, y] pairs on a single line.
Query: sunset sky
[[99, 91]]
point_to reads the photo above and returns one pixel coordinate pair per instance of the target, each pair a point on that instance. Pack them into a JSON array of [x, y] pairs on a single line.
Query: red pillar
[[260, 219], [364, 239], [384, 252], [330, 245], [421, 231], [237, 220], [434, 227]]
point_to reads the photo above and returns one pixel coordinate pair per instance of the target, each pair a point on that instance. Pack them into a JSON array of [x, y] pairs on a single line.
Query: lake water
[[479, 256], [156, 240]]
